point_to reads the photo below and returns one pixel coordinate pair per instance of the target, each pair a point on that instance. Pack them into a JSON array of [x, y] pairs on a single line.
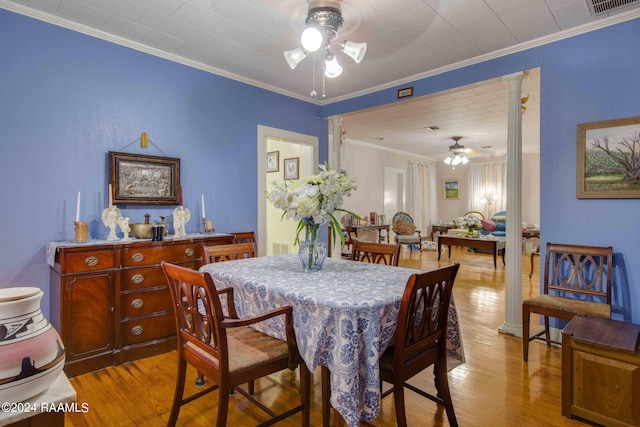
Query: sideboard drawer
[[79, 262], [145, 302], [144, 277], [138, 330], [151, 255]]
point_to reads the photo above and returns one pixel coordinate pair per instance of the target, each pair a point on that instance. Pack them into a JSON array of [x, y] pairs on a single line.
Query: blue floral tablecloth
[[344, 318]]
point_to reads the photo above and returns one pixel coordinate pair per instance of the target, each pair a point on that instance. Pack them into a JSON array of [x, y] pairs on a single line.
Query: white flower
[[314, 198]]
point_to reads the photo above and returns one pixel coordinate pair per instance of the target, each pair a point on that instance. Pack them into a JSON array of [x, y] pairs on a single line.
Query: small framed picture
[[451, 189], [273, 161], [291, 168], [405, 92]]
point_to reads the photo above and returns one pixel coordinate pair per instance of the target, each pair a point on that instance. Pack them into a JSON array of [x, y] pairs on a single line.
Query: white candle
[[203, 213], [78, 209], [110, 197]]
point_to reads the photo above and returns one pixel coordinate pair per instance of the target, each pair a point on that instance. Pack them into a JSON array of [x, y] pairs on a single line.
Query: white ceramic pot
[[31, 351]]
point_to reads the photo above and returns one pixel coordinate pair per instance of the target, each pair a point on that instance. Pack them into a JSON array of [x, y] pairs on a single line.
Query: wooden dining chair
[[535, 253], [421, 340], [228, 351], [245, 237], [577, 280], [378, 253], [218, 253]]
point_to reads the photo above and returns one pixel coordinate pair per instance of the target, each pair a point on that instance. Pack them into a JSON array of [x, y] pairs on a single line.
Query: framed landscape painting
[[608, 159], [451, 189]]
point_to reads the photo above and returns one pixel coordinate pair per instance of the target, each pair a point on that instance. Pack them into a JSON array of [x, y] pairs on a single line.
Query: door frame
[[265, 132]]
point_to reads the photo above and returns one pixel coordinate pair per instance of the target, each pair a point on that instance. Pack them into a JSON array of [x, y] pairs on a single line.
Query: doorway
[[275, 234]]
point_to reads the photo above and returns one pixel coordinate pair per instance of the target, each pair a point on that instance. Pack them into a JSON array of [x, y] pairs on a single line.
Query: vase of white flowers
[[312, 201], [472, 224]]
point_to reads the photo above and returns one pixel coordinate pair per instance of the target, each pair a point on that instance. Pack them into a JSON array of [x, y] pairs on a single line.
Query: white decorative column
[[513, 286], [335, 142], [335, 160]]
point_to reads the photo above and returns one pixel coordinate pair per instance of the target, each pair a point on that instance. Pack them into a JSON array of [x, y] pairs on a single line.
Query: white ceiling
[[407, 39]]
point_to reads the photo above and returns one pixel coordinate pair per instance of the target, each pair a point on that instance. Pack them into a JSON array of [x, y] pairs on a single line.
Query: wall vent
[[598, 7]]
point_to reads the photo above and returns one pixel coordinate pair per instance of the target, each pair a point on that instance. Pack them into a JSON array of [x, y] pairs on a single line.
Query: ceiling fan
[[456, 153]]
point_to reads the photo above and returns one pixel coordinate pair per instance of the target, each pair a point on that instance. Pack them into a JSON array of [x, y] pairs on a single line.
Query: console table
[[378, 228], [442, 229], [110, 301], [494, 245]]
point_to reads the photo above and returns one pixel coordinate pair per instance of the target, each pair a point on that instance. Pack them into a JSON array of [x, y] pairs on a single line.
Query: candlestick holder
[[206, 226], [82, 231]]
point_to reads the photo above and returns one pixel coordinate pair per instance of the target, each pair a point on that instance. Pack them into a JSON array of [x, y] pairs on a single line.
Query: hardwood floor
[[493, 388]]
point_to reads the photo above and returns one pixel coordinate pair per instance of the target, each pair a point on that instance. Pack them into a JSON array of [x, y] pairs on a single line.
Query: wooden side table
[[601, 371], [442, 229]]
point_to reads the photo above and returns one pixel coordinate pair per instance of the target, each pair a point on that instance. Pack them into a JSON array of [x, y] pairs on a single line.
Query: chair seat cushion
[[248, 349], [570, 305], [404, 228], [408, 239]]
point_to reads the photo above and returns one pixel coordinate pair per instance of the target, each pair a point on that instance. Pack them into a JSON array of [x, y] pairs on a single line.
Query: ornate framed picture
[[144, 180], [291, 168], [608, 159], [451, 189], [273, 161]]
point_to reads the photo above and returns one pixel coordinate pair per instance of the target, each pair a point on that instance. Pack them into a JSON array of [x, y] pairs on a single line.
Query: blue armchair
[[500, 220]]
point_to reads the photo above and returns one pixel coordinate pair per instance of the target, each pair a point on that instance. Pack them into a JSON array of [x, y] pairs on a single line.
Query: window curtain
[[488, 179], [422, 203]]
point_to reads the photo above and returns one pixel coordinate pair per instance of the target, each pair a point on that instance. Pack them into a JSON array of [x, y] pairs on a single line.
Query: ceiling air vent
[[598, 7]]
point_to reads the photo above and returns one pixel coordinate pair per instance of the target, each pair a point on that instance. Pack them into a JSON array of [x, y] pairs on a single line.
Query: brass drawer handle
[[91, 261], [137, 330], [137, 257], [137, 278], [189, 252], [137, 303]]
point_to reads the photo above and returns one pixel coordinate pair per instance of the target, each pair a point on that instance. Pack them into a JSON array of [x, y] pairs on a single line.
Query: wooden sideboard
[[110, 301]]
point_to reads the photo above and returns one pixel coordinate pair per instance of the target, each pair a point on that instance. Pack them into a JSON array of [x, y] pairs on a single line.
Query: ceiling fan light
[[448, 160], [355, 50], [464, 160], [295, 56], [311, 39], [331, 67]]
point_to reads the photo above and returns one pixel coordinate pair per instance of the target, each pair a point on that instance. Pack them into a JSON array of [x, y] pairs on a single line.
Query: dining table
[[344, 317]]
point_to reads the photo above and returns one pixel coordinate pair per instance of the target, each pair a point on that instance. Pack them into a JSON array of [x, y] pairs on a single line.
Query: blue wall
[[585, 78], [66, 99]]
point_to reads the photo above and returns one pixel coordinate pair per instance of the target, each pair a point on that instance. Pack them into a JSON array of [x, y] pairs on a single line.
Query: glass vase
[[312, 252]]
